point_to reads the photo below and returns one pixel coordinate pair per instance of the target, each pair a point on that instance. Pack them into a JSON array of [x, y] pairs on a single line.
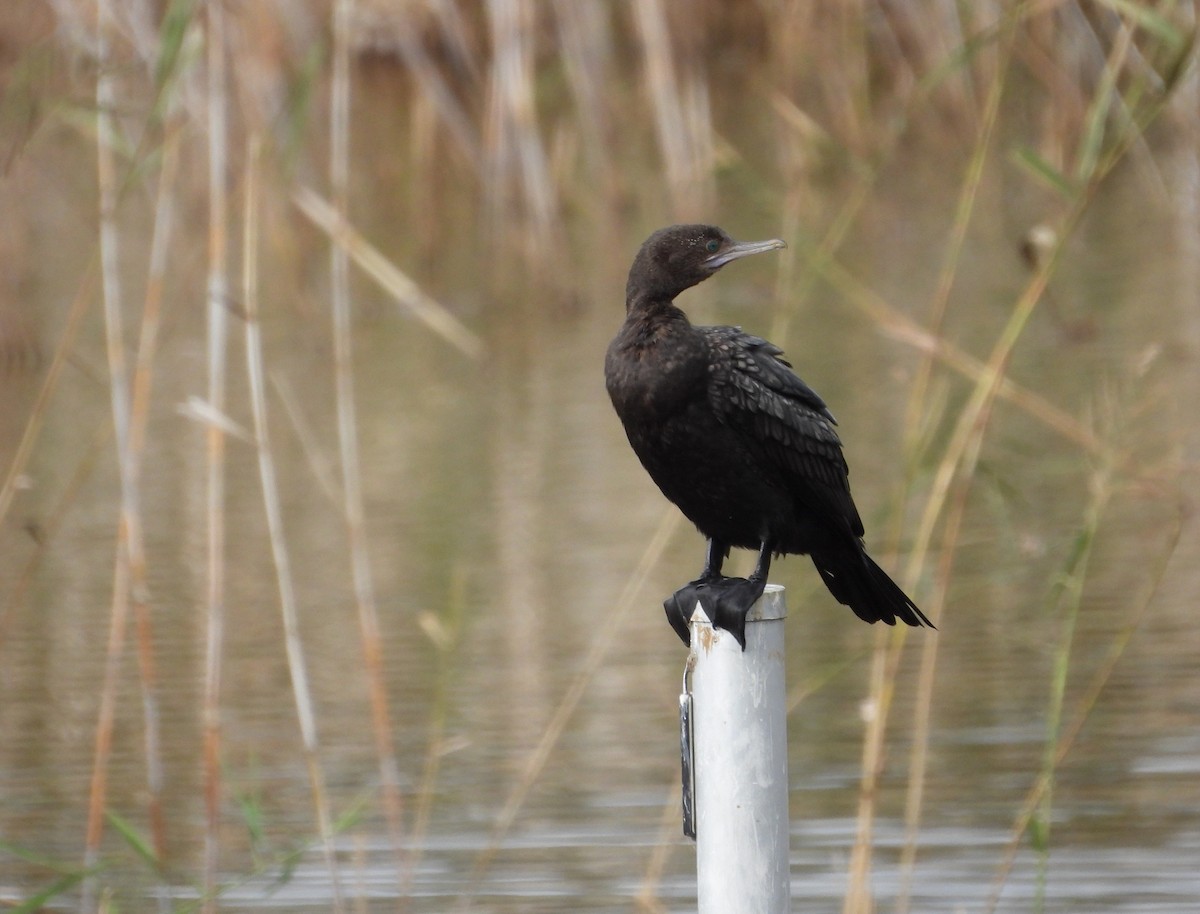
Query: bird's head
[[679, 256]]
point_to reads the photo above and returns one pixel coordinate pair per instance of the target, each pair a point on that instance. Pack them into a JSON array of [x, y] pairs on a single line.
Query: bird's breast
[[650, 379]]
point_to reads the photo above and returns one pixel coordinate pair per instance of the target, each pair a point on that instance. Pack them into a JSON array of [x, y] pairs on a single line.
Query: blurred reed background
[[206, 208]]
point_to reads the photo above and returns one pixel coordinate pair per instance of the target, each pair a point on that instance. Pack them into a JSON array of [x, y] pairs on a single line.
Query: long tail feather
[[856, 581]]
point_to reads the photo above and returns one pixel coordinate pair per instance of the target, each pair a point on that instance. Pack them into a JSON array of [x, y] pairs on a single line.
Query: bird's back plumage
[[782, 422]]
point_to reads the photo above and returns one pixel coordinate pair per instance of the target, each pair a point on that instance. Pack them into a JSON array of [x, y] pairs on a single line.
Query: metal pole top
[[770, 606]]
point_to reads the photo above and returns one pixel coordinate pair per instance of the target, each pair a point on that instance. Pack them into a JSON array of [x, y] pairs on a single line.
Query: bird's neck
[[643, 306], [649, 319]]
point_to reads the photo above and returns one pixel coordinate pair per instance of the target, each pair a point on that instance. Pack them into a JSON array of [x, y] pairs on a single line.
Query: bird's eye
[[712, 245]]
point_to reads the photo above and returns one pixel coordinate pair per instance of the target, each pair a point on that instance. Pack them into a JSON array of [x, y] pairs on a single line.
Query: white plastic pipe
[[739, 729]]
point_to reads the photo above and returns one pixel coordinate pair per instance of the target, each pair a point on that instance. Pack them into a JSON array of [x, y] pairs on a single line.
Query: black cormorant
[[734, 438]]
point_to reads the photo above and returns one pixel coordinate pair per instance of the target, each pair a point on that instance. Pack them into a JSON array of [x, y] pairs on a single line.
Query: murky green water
[[505, 510]]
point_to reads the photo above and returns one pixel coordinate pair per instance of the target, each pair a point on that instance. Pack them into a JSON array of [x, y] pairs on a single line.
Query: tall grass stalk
[[445, 633], [585, 39], [514, 151], [297, 667], [890, 645], [973, 418], [918, 402], [1085, 705], [128, 546], [1066, 598], [895, 323], [681, 115], [955, 471], [434, 88], [139, 410], [217, 302], [1098, 162], [364, 588], [320, 464], [601, 642]]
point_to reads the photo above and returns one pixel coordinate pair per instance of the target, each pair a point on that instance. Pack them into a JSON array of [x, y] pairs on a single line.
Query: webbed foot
[[729, 601], [680, 605], [726, 602]]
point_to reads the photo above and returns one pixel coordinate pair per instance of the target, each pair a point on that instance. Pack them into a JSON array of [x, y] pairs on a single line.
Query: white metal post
[[739, 730]]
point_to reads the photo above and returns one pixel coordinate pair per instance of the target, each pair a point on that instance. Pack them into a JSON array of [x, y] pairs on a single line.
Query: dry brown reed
[[364, 588], [679, 102], [129, 573], [216, 309], [297, 666], [389, 277], [140, 392]]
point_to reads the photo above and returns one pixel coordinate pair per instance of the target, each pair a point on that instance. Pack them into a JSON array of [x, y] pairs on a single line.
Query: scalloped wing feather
[[782, 420]]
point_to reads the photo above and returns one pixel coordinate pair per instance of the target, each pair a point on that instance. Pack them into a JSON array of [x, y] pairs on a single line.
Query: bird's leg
[[682, 603], [714, 559], [728, 602]]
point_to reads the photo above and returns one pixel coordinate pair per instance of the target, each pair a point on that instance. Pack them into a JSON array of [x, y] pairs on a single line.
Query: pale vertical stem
[[217, 295], [111, 296], [445, 641], [584, 35], [515, 116], [669, 107], [164, 219], [160, 244], [364, 589], [297, 667]]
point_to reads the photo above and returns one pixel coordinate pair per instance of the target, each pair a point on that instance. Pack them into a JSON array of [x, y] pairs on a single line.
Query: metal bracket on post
[[687, 756]]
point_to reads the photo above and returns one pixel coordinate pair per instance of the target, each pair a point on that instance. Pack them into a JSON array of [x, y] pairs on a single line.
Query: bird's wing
[[781, 420]]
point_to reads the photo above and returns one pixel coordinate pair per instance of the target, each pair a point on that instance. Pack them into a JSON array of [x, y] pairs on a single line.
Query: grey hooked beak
[[741, 249]]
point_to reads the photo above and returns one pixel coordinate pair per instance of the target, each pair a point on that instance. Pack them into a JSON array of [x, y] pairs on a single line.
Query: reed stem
[[106, 140], [297, 667], [216, 98], [364, 589]]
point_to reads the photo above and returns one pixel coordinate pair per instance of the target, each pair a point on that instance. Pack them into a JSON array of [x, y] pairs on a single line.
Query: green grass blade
[[174, 29], [139, 844], [38, 902], [1148, 20], [1029, 159]]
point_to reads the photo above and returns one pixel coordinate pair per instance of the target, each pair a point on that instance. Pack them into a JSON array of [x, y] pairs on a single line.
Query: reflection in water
[[505, 517]]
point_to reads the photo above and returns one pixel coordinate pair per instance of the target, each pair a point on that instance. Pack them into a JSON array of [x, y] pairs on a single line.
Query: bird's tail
[[856, 581]]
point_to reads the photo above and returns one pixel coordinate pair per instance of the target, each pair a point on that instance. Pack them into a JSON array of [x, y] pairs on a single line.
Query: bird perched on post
[[732, 436]]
